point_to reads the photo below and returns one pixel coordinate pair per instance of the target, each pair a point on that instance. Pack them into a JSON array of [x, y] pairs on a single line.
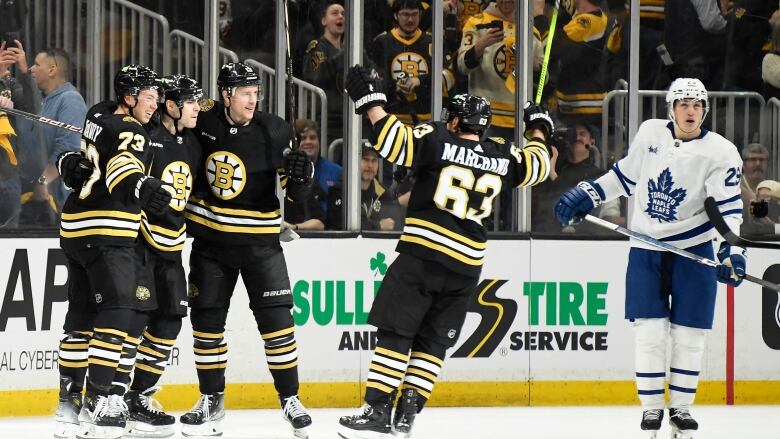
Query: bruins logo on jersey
[[407, 64], [130, 119], [142, 293], [504, 62], [178, 177], [225, 173], [206, 104]]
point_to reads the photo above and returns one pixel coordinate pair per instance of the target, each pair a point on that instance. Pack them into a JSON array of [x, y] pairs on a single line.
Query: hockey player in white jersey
[[672, 166]]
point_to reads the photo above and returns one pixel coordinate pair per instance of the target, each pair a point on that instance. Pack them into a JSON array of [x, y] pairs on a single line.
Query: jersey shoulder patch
[[130, 119], [498, 140], [207, 105], [312, 45]]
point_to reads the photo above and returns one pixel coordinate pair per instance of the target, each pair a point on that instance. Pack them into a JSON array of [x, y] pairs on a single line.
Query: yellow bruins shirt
[[401, 59], [106, 211], [488, 75], [652, 9], [456, 182], [235, 200], [176, 159]]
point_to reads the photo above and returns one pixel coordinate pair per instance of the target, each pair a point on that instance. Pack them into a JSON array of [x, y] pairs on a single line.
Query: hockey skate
[[102, 417], [205, 417], [145, 416], [651, 422], [370, 422], [295, 413], [683, 424], [67, 416], [405, 412]]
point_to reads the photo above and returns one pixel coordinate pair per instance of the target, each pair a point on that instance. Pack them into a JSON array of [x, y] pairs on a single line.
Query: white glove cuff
[[138, 186], [369, 98], [592, 193]]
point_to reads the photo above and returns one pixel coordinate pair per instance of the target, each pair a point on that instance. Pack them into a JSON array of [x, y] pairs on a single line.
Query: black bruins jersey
[[457, 181], [176, 160], [399, 58], [106, 210], [235, 202]]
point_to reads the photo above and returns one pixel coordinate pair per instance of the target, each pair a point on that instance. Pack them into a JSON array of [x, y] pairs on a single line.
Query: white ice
[[717, 422]]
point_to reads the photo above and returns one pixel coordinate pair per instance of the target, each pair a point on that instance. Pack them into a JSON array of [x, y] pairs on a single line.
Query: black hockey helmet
[[179, 88], [236, 74], [131, 79], [473, 111]]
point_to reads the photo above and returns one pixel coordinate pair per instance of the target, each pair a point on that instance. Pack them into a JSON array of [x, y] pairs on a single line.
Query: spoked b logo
[[770, 309]]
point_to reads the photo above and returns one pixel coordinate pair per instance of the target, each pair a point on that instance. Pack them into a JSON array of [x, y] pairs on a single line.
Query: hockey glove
[[298, 167], [74, 169], [536, 117], [363, 87], [578, 201], [152, 194], [733, 260]]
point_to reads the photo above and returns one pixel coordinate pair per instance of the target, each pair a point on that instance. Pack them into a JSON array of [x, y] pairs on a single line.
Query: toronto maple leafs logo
[[662, 199]]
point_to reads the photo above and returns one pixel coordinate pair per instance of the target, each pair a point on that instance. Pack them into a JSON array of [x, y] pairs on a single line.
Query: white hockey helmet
[[687, 88]]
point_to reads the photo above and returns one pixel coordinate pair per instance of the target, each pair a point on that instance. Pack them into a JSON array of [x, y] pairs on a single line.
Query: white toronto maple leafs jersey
[[669, 179]]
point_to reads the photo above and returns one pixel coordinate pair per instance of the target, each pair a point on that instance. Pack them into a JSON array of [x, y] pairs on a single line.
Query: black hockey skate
[[102, 416], [145, 416], [405, 412], [370, 422], [205, 417], [651, 421], [67, 416], [683, 424], [295, 413]]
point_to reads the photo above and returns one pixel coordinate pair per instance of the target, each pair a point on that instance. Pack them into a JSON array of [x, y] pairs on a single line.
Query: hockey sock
[[122, 377], [154, 351], [388, 365], [105, 348], [650, 361], [424, 368], [277, 328], [210, 348], [687, 352], [73, 358]]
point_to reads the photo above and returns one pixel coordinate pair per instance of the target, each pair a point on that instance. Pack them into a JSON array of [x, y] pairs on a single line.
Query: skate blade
[[66, 430], [92, 431], [136, 429], [208, 429], [348, 433], [682, 434], [300, 433], [397, 433]]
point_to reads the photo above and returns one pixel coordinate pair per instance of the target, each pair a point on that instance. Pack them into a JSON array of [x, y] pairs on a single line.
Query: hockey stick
[[678, 251], [547, 49], [711, 207], [290, 99], [41, 119]]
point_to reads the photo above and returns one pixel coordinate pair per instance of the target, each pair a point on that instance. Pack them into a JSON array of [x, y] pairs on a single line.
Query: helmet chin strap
[[674, 119]]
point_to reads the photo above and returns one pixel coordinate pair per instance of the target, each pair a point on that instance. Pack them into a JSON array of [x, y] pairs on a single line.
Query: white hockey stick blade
[[676, 250]]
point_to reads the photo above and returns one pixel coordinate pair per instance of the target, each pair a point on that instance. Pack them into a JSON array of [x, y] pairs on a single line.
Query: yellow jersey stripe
[[442, 249], [446, 232]]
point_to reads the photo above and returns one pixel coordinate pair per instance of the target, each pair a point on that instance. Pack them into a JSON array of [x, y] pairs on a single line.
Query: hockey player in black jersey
[[98, 231], [422, 303], [162, 285], [234, 216]]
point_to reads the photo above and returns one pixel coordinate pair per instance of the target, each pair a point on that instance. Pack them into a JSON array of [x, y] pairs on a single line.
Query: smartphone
[[498, 24], [10, 39]]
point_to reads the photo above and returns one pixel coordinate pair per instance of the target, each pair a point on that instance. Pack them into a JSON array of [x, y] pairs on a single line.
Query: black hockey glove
[[153, 196], [536, 117], [363, 87], [298, 167], [74, 169]]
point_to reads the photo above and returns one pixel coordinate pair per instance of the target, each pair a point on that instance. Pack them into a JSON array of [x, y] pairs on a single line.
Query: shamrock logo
[[378, 264]]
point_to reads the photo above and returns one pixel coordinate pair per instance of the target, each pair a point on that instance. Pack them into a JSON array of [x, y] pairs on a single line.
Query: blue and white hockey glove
[[578, 201], [733, 260]]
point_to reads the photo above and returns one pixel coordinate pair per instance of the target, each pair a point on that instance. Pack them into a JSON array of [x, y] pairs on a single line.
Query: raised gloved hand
[[363, 87], [537, 117], [152, 194], [74, 169], [733, 260], [298, 167], [578, 201]]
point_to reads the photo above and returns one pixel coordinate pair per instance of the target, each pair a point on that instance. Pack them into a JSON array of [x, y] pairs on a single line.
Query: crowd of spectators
[[730, 45]]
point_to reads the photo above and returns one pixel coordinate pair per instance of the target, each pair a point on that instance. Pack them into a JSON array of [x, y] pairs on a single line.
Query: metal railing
[[736, 116], [311, 101], [187, 54]]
